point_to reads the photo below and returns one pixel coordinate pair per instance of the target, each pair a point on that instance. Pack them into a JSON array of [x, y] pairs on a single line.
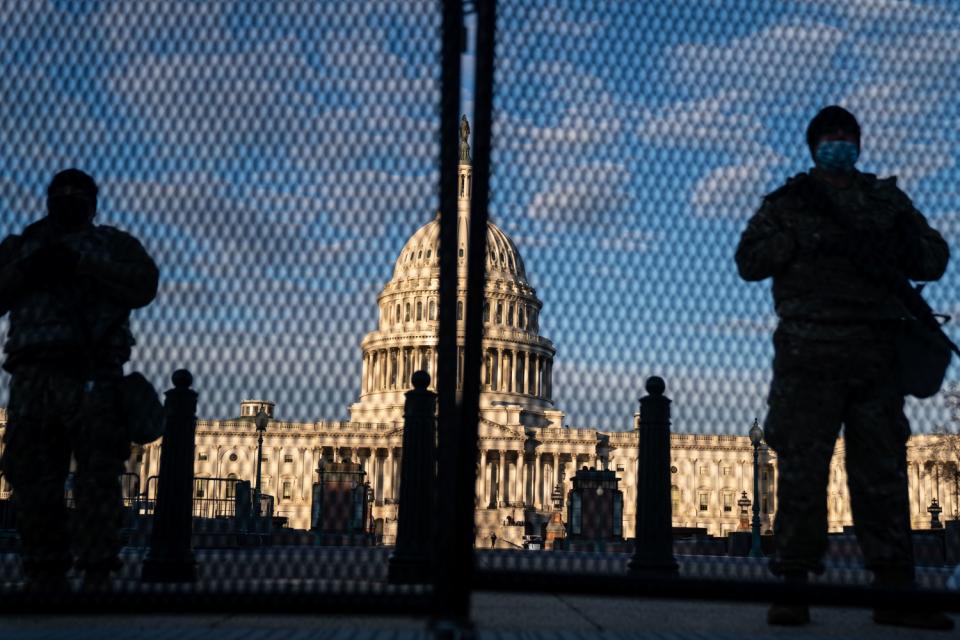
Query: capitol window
[[233, 457], [407, 315], [727, 502], [287, 489], [428, 254], [397, 317], [419, 310], [499, 313], [510, 315], [287, 457], [704, 499], [433, 310], [461, 252], [459, 310], [520, 317]]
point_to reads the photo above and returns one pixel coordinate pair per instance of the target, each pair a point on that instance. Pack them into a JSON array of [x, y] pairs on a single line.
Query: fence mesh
[[279, 163]]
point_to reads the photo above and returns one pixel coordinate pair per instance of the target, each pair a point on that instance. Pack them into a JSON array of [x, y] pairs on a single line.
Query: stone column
[[483, 370], [306, 474], [548, 392], [298, 467], [521, 373], [388, 475], [505, 478], [397, 466], [518, 494], [482, 499], [537, 480], [539, 376]]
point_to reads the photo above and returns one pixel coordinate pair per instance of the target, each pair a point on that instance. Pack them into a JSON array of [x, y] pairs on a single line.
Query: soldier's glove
[[50, 264]]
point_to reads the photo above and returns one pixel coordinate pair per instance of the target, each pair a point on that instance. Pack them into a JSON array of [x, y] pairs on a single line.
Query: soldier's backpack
[[143, 412], [923, 349]]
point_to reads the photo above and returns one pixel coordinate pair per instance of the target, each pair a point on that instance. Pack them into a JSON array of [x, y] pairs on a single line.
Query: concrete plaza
[[496, 615]]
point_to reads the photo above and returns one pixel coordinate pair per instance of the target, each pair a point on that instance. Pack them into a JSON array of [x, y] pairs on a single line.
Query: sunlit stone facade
[[526, 448]]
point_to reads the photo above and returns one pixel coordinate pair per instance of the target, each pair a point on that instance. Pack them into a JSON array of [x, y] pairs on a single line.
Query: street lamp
[[260, 421], [756, 438]]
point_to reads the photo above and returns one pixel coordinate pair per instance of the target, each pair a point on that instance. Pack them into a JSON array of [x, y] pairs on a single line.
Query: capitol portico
[[526, 447]]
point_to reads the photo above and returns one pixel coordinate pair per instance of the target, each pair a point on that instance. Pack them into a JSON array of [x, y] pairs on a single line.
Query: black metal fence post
[[170, 557], [653, 551], [410, 561]]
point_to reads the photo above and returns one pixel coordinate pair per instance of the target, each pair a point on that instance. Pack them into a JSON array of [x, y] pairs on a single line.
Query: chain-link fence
[[284, 165]]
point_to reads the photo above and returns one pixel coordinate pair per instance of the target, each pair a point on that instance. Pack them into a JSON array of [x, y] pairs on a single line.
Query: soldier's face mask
[[837, 155], [70, 212]]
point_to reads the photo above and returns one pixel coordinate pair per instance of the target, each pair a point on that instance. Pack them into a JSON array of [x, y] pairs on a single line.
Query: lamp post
[[756, 438], [260, 421]]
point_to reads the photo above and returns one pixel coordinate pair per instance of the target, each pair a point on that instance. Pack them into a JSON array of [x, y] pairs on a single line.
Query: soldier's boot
[[912, 618], [790, 614]]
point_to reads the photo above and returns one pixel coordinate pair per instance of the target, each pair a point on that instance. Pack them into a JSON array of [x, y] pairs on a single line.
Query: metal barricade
[[215, 497]]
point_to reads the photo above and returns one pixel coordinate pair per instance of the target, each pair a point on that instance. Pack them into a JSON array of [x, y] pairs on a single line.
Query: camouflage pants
[[817, 386], [51, 417]]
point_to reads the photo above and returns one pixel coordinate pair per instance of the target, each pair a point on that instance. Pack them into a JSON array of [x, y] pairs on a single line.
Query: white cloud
[[586, 193], [906, 132], [902, 11], [719, 120], [779, 60], [734, 191]]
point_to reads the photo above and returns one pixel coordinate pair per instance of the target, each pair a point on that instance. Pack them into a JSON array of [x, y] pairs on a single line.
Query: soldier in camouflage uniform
[[69, 286], [821, 237]]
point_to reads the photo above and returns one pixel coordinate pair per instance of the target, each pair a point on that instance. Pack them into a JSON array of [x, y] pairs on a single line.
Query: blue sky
[[275, 162]]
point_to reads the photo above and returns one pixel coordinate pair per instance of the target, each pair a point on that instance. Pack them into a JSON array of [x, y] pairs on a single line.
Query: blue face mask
[[837, 155]]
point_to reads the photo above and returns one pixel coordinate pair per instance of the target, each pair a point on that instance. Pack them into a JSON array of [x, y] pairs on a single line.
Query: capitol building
[[526, 447]]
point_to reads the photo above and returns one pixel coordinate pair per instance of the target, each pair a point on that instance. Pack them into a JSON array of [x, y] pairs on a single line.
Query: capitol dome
[[518, 361], [421, 254]]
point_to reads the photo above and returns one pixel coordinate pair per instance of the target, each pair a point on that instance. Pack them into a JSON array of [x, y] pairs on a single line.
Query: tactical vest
[[70, 322]]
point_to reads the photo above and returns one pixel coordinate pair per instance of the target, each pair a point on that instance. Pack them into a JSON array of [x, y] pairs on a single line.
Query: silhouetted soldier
[[820, 237], [69, 286]]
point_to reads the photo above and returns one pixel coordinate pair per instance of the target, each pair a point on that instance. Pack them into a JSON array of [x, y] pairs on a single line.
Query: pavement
[[500, 615], [496, 616]]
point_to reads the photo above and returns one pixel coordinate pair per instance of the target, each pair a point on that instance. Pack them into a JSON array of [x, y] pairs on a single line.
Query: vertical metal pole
[[256, 491], [653, 544], [451, 589], [170, 557], [755, 549], [410, 560]]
